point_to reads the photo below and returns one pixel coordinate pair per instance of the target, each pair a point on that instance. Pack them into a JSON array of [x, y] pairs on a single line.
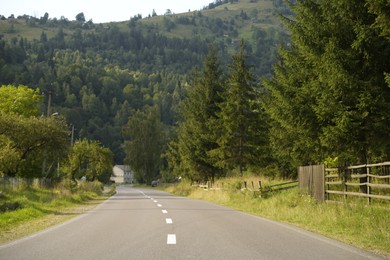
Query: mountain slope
[[100, 73]]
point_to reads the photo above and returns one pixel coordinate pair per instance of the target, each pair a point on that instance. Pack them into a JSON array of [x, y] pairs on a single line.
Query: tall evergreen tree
[[294, 128], [196, 135], [242, 132], [328, 95]]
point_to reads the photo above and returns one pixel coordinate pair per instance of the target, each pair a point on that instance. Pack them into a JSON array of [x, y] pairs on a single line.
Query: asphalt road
[[150, 224]]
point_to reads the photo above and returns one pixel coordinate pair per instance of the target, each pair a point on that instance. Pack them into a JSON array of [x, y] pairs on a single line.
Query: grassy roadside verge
[[29, 210], [366, 227]]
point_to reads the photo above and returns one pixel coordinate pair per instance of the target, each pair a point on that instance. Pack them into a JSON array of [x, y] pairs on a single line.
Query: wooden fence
[[371, 181], [8, 183], [250, 186], [311, 181]]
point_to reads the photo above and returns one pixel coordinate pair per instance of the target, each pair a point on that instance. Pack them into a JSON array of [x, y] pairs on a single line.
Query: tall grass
[[356, 223], [26, 205]]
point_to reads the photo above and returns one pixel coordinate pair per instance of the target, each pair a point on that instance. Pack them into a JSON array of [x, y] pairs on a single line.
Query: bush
[[10, 206], [67, 186], [95, 187]]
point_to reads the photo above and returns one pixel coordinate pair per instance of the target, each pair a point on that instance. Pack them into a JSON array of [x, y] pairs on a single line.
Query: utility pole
[[49, 105], [72, 136], [44, 149]]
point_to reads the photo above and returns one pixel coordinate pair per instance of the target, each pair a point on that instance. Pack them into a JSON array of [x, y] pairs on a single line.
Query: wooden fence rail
[[10, 183], [251, 186], [373, 181]]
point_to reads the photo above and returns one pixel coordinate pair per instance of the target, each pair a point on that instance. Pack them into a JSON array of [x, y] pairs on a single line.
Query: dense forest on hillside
[[99, 74], [209, 93]]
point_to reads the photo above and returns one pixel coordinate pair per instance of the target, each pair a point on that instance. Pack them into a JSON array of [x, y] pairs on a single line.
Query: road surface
[[150, 224]]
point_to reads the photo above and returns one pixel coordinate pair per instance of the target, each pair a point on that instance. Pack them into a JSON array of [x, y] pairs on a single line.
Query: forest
[[261, 86]]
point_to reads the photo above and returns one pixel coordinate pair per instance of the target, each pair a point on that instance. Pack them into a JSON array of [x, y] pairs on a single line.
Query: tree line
[[326, 99], [101, 74], [33, 145], [329, 95]]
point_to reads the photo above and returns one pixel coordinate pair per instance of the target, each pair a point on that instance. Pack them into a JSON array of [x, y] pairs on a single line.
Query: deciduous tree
[[20, 100], [145, 138], [90, 160]]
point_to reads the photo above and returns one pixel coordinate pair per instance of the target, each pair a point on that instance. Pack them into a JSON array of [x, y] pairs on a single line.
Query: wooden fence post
[[368, 186], [344, 181]]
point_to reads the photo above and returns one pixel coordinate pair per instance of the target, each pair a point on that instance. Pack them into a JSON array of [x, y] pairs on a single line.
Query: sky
[[100, 11]]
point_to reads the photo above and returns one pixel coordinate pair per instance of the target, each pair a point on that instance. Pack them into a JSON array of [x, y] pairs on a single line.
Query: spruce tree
[[242, 132], [196, 135], [329, 96]]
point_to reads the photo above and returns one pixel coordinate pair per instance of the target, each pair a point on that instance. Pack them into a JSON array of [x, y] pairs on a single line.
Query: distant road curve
[[151, 224]]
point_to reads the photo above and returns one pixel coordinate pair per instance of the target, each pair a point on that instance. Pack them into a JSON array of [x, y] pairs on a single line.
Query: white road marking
[[168, 220], [155, 201], [171, 239], [164, 211], [159, 205]]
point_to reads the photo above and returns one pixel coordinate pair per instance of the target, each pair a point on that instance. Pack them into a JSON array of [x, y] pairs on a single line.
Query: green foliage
[[329, 96], [197, 130], [24, 206], [145, 140], [94, 186], [20, 100], [339, 221], [26, 140], [242, 135], [90, 160], [23, 140], [88, 67], [223, 127]]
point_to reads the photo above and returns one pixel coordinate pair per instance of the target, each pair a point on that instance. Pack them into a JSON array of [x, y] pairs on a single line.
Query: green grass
[[358, 224], [34, 208]]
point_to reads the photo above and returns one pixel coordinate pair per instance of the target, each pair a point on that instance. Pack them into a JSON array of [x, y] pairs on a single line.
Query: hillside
[[100, 73]]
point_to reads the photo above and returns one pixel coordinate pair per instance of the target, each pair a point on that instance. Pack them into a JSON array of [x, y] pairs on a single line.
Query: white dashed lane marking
[[171, 239]]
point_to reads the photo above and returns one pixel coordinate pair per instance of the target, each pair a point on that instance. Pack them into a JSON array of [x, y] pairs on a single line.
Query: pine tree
[[294, 131], [328, 96], [196, 135], [242, 132]]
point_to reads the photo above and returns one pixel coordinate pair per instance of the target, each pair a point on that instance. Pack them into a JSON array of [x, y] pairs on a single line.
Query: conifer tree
[[328, 96], [196, 135], [242, 133]]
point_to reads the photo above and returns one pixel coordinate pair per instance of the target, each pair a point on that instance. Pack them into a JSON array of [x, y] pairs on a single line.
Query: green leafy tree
[[20, 100], [80, 17], [145, 138], [90, 160], [23, 140]]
